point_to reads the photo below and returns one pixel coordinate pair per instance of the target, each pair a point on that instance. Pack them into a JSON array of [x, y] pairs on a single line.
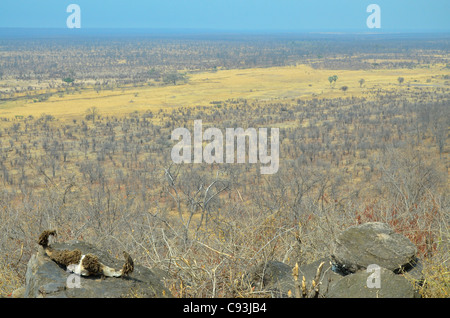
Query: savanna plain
[[85, 149]]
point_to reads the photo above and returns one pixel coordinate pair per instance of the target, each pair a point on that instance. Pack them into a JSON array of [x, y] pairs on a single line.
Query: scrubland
[[92, 159]]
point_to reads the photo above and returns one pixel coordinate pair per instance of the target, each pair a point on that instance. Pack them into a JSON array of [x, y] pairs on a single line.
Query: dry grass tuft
[[10, 280], [436, 282]]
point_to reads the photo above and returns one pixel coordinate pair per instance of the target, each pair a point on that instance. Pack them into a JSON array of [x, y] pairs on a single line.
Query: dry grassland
[[274, 83]]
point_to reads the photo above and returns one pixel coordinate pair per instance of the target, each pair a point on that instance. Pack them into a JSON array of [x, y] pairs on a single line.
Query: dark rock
[[356, 286], [327, 278], [372, 243], [273, 276], [45, 278], [276, 277], [51, 288], [414, 273]]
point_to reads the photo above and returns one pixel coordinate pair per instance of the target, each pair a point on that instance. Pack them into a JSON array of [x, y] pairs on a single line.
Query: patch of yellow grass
[[273, 83]]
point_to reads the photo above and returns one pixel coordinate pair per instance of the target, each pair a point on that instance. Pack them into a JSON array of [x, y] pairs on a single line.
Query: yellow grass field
[[273, 83]]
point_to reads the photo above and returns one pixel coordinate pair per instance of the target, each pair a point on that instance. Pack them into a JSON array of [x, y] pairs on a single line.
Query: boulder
[[372, 243], [45, 278], [328, 277], [276, 277], [272, 276], [356, 286]]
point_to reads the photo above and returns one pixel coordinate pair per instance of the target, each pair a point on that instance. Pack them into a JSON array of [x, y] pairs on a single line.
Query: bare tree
[[361, 82], [192, 194], [407, 177], [91, 113]]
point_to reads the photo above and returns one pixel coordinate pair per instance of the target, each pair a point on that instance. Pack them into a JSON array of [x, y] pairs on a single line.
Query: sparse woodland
[[110, 180]]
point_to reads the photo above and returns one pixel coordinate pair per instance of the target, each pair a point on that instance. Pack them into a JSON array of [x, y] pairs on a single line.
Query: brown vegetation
[[109, 179]]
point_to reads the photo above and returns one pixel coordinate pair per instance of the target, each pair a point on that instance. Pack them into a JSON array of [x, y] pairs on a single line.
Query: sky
[[231, 15]]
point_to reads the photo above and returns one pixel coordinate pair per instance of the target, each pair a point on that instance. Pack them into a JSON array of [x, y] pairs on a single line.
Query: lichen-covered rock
[[373, 243], [45, 278]]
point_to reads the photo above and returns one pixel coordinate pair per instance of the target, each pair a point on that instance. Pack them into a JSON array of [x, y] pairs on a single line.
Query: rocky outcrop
[[369, 260], [45, 278]]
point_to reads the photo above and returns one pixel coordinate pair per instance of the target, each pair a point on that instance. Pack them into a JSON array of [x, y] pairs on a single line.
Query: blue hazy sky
[[231, 15]]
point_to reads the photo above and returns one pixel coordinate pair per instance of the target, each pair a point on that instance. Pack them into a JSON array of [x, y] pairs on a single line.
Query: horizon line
[[227, 29]]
